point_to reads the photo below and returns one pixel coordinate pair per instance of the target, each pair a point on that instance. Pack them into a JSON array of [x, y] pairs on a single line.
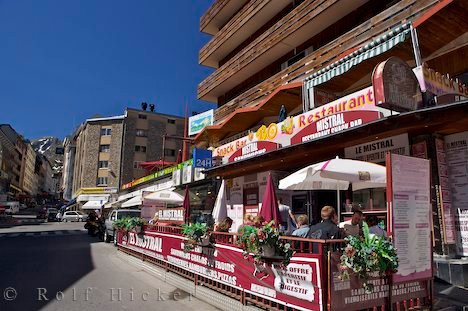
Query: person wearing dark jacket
[[327, 228]]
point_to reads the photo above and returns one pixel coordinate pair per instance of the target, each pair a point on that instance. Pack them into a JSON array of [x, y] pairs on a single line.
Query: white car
[[12, 207], [74, 216]]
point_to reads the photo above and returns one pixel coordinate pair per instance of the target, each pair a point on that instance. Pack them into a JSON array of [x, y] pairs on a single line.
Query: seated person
[[302, 226], [155, 219], [258, 221], [224, 225], [372, 221], [327, 228], [353, 227], [248, 221]]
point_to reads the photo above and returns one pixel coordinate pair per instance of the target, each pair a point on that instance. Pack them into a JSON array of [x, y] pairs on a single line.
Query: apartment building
[[30, 180], [14, 145], [98, 153], [69, 147], [305, 59], [149, 137]]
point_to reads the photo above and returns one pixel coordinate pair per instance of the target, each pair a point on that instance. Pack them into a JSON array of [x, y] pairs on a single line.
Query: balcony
[[218, 14], [404, 11], [239, 28], [302, 23]]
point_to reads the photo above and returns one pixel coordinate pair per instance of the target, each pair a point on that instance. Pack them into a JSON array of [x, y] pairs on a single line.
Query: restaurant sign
[[171, 215], [396, 86], [327, 120], [375, 151], [298, 285], [252, 150], [437, 83]]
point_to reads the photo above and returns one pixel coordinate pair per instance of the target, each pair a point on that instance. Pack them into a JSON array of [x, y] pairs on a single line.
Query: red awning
[[151, 166]]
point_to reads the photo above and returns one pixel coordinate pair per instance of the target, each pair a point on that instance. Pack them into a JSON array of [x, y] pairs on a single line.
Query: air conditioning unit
[[297, 57]]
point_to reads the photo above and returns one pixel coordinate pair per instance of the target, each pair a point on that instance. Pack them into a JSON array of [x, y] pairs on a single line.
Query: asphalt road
[[57, 266]]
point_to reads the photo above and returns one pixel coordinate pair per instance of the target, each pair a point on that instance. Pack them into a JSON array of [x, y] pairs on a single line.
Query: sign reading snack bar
[[396, 86], [375, 150], [298, 285], [349, 111]]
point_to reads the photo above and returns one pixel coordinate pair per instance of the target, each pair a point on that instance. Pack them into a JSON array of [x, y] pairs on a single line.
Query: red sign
[[396, 86], [333, 124], [350, 294], [252, 150], [298, 285]]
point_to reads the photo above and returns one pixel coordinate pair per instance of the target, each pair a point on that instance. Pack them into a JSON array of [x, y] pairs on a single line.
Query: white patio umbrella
[[336, 174], [220, 209], [165, 196]]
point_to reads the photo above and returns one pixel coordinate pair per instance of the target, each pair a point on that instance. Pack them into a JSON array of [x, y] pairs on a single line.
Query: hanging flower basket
[[196, 234], [366, 254], [264, 243]]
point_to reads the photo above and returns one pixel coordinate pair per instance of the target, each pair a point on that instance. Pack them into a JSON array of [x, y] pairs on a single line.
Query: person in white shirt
[[288, 221]]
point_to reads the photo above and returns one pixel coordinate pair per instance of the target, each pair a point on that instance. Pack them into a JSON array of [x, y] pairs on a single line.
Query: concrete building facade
[[98, 153], [143, 139], [69, 145]]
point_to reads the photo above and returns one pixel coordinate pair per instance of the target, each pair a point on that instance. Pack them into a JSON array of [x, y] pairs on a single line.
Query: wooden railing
[[234, 24], [403, 11], [214, 9]]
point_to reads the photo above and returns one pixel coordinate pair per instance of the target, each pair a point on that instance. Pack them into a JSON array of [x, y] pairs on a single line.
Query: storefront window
[[369, 199]]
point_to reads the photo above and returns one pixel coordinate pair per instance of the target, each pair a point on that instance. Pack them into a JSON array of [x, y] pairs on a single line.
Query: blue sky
[[64, 61]]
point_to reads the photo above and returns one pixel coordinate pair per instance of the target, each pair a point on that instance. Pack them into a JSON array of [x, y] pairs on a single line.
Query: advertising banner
[[350, 294], [199, 121], [298, 285], [437, 83], [171, 215], [326, 120], [456, 149], [410, 202], [376, 150]]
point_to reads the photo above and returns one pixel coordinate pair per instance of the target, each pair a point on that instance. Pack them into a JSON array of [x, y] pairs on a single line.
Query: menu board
[[456, 148], [411, 212]]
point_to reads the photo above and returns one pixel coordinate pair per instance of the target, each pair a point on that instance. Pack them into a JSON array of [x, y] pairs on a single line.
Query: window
[[102, 181], [140, 148], [142, 116], [104, 148], [141, 133], [171, 121], [106, 131], [136, 164], [103, 164], [169, 152]]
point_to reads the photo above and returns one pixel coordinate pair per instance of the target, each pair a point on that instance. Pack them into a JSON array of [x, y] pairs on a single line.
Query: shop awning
[[93, 205], [165, 196], [369, 50], [135, 201], [92, 197], [245, 118], [115, 203]]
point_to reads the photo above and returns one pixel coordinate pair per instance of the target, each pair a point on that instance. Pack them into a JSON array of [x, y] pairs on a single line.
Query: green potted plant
[[121, 224], [135, 223], [366, 254], [196, 234], [264, 242]]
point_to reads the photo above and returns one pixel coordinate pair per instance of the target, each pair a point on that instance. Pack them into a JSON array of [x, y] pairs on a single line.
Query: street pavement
[[57, 266]]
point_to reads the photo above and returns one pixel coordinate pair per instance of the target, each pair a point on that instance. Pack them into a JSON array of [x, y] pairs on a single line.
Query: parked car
[[109, 232], [52, 214], [12, 207], [74, 216]]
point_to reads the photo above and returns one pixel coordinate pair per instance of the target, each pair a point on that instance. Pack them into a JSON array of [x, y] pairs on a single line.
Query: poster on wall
[[456, 149], [198, 122], [410, 209]]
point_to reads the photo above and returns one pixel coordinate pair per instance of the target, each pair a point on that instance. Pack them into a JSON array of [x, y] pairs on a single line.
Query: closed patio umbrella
[[186, 205], [270, 210], [220, 209]]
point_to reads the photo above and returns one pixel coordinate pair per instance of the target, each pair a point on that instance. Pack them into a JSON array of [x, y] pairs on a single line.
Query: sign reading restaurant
[[347, 112]]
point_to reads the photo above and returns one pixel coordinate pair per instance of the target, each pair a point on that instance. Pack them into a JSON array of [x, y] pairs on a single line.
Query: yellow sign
[[97, 190]]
